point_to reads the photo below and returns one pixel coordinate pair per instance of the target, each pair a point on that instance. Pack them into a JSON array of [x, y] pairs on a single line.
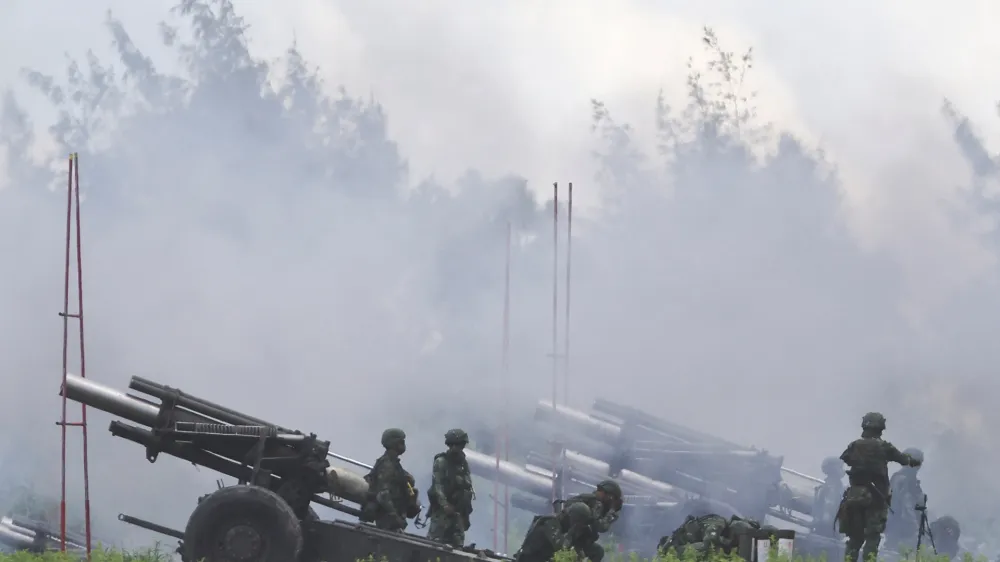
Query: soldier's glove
[[915, 462]]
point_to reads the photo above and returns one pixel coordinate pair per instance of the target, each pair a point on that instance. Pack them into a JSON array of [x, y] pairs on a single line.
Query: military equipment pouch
[[857, 497]]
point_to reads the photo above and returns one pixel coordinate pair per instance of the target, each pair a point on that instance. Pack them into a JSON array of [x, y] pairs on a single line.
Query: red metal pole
[[569, 253], [506, 392], [73, 196], [83, 356], [65, 353], [555, 319]]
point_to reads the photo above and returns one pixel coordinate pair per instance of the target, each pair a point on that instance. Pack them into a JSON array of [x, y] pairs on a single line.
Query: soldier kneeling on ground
[[605, 507], [548, 534], [708, 533]]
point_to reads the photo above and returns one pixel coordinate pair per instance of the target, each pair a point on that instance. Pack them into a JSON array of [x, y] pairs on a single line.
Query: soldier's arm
[[848, 455], [897, 456], [602, 523], [387, 476], [439, 473]]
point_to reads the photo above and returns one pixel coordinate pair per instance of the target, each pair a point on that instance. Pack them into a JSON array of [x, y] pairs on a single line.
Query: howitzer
[[266, 517], [692, 461], [23, 533]]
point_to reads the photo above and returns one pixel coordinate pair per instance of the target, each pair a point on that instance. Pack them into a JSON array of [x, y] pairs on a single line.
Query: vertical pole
[[569, 254], [83, 356], [506, 388], [555, 320], [65, 353], [73, 197]]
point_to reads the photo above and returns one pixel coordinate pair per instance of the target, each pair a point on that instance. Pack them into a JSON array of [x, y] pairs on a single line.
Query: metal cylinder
[[349, 485], [199, 405], [509, 474], [107, 399], [583, 422], [15, 539]]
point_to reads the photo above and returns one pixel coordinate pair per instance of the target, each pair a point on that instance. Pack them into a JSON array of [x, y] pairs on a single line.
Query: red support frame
[[73, 212]]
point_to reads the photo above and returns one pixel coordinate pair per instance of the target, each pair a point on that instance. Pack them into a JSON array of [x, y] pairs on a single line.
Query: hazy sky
[[506, 88]]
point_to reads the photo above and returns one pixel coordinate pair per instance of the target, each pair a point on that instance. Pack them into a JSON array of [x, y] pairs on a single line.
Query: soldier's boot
[[870, 551], [853, 548], [594, 552]]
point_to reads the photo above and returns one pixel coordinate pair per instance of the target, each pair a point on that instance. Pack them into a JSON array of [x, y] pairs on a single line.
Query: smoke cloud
[[301, 210]]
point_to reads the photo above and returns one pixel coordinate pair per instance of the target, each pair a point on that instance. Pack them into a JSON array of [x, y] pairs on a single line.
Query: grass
[[157, 555]]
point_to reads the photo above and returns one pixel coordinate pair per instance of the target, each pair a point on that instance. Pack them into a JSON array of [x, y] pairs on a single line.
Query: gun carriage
[[267, 516]]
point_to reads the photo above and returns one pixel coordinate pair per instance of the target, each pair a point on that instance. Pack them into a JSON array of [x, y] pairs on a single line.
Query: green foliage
[[775, 556], [98, 555]]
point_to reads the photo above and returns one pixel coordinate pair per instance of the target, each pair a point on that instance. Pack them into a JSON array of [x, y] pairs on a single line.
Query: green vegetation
[[99, 555], [156, 555]]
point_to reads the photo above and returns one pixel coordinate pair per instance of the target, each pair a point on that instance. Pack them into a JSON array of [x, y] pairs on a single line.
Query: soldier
[[904, 522], [946, 533], [605, 507], [826, 502], [548, 534], [391, 496], [865, 505], [451, 493], [706, 533]]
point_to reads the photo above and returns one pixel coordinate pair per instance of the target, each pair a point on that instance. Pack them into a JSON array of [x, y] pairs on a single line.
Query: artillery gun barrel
[[32, 526], [15, 539], [195, 404], [22, 533], [628, 414], [509, 474], [344, 483], [674, 454]]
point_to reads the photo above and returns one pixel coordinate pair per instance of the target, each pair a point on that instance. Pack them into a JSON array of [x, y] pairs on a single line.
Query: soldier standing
[[904, 522], [826, 502], [865, 505], [605, 507], [548, 534], [391, 495], [451, 492]]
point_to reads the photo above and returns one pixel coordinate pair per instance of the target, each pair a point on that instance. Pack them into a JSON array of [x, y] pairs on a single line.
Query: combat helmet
[[832, 466], [456, 437], [393, 436], [915, 454], [611, 488], [578, 513], [873, 421]]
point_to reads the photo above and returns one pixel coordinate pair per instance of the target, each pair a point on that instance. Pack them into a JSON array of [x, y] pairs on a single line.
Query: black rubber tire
[[263, 519]]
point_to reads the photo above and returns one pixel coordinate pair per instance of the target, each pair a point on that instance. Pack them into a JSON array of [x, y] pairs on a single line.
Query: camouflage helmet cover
[[610, 487], [456, 437], [392, 436], [915, 453], [578, 513], [833, 465], [874, 421], [946, 524]]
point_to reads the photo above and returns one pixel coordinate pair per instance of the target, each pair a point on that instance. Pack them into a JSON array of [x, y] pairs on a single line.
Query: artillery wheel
[[243, 524]]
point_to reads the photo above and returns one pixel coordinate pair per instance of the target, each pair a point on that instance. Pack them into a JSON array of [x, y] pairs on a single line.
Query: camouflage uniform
[[605, 507], [451, 493], [548, 534], [826, 501], [391, 496], [706, 533], [904, 522], [865, 504], [946, 533]]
